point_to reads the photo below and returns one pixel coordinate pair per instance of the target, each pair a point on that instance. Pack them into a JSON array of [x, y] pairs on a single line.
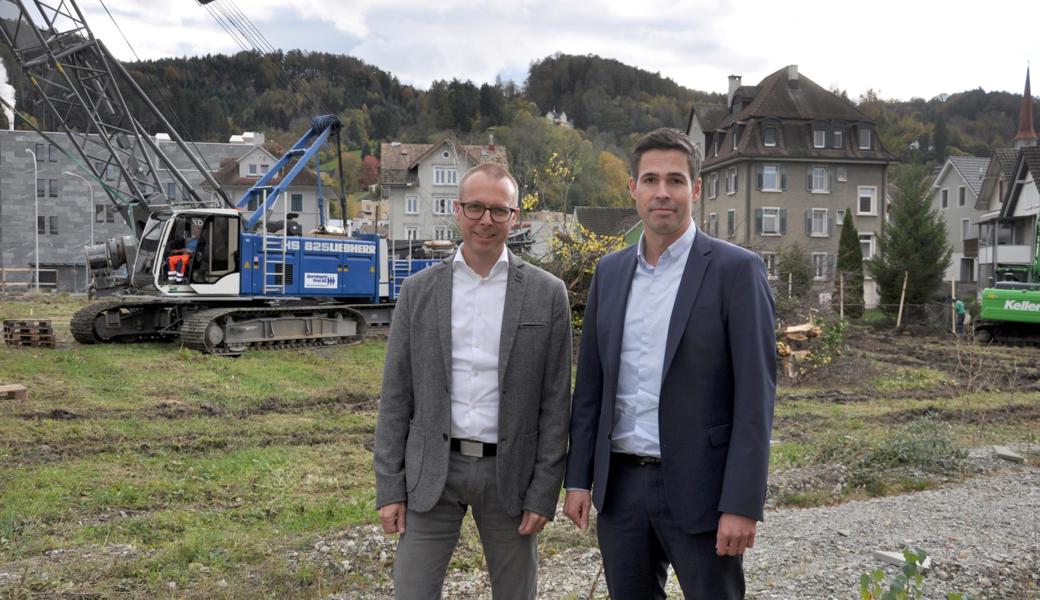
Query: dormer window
[[819, 138], [864, 138], [715, 145], [735, 136], [838, 140], [769, 136]]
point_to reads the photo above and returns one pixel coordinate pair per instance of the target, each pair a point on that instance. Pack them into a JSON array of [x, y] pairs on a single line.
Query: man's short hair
[[666, 139], [495, 172]]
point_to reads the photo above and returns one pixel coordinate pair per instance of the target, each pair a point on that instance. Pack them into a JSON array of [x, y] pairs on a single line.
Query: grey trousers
[[425, 549]]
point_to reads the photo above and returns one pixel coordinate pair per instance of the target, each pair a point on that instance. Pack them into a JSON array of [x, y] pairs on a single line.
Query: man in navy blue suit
[[673, 404]]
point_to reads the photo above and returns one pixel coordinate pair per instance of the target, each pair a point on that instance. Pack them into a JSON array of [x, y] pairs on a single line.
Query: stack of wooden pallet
[[13, 391], [34, 332]]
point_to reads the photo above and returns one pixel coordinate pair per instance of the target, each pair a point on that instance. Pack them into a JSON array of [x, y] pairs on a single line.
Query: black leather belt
[[473, 448], [635, 459]]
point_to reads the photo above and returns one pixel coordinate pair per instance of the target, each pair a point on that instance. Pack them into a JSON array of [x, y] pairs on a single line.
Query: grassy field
[[144, 470]]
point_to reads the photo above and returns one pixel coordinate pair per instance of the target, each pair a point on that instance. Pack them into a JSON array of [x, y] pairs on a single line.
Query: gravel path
[[983, 535]]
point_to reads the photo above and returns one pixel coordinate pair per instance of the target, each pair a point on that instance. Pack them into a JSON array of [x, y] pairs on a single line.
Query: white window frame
[[765, 136], [776, 175], [445, 176], [841, 173], [253, 168], [771, 212], [715, 143], [819, 138], [731, 181], [873, 200], [264, 168], [713, 186], [965, 230], [293, 197], [713, 224], [411, 205], [864, 141], [867, 237], [838, 138], [839, 215], [769, 258], [442, 205], [944, 199], [819, 187], [962, 195], [411, 232], [819, 265], [731, 222], [822, 232], [442, 232], [735, 134]]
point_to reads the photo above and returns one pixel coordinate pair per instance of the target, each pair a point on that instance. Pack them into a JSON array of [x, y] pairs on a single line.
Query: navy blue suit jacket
[[717, 390]]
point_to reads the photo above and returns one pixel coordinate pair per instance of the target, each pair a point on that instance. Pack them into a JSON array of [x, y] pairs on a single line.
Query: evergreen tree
[[850, 264], [914, 243], [793, 264]]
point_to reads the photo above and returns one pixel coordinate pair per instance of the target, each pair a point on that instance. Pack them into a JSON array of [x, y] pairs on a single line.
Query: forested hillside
[[209, 98]]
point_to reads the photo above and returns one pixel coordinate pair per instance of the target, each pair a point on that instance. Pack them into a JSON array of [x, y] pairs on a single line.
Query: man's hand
[[736, 534], [391, 517], [576, 506], [531, 523]]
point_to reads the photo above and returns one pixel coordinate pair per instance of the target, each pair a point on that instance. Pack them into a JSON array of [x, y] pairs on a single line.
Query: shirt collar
[[460, 261], [678, 248]]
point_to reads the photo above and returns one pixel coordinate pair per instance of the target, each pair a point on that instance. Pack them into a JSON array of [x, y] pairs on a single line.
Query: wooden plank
[[14, 391]]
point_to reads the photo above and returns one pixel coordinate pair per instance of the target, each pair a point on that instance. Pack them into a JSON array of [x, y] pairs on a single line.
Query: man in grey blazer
[[475, 402]]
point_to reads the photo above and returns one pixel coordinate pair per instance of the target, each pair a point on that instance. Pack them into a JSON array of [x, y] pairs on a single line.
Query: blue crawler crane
[[205, 270]]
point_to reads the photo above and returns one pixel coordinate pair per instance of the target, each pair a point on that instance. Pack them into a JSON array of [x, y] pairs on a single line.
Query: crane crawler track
[[233, 330], [122, 321]]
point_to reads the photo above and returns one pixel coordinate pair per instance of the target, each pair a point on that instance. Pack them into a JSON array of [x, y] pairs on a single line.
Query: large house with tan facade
[[783, 162]]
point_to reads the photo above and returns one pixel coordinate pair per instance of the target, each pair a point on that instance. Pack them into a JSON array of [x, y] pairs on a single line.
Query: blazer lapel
[[515, 287], [442, 298], [615, 313], [693, 274]]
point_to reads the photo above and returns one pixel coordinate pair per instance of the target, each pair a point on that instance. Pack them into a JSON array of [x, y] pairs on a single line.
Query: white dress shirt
[[647, 315], [476, 327]]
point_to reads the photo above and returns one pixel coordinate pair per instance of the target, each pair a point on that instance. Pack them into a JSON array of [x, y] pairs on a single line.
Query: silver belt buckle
[[471, 448]]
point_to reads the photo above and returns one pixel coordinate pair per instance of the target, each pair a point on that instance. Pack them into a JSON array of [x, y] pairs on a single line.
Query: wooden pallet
[[36, 333], [13, 391]]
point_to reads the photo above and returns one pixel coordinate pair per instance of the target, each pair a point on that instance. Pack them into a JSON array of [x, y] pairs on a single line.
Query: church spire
[[1026, 134]]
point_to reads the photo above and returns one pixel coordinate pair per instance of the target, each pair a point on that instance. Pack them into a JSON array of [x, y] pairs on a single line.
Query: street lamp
[[92, 217], [36, 213]]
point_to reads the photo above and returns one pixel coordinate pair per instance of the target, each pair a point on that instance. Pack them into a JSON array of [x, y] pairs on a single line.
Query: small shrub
[[908, 584]]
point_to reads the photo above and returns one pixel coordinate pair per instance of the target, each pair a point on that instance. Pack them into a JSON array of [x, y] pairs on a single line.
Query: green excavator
[[1011, 309]]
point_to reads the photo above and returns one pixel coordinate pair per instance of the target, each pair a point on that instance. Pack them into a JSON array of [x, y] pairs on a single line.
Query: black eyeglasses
[[475, 211]]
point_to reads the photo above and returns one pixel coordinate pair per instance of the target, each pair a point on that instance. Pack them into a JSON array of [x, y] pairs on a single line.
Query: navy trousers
[[639, 539]]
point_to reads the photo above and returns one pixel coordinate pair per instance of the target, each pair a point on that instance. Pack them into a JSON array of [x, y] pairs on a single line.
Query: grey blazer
[[414, 426]]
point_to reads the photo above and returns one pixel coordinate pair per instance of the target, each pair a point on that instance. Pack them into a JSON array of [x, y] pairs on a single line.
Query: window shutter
[[830, 266], [758, 174], [731, 224], [736, 180], [758, 220], [808, 222], [830, 179], [832, 221], [783, 178], [808, 178], [783, 221]]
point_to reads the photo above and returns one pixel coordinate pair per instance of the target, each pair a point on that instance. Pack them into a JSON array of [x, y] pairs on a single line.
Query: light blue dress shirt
[[647, 315]]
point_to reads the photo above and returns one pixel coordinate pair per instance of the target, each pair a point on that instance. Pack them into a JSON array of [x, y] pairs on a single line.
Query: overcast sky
[[901, 49]]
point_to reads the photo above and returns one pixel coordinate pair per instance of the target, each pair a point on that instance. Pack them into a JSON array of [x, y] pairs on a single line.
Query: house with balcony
[[421, 183], [783, 164], [955, 197], [1007, 232]]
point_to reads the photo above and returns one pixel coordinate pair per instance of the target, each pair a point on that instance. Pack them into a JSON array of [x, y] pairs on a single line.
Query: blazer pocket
[[533, 325], [719, 435], [414, 451]]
